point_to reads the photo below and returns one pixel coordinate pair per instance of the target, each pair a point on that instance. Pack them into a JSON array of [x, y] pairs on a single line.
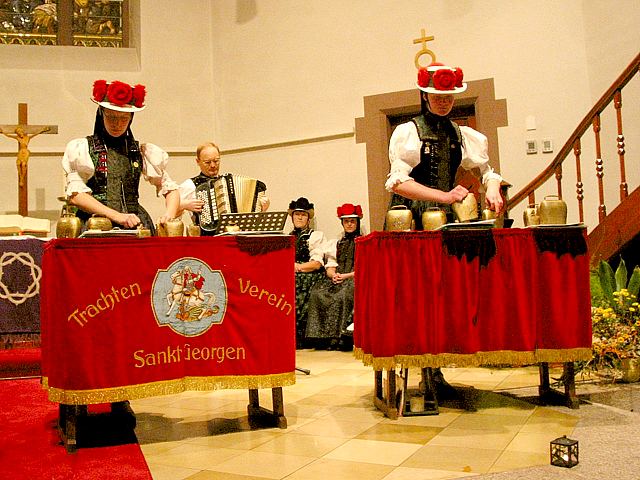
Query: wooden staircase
[[617, 232]]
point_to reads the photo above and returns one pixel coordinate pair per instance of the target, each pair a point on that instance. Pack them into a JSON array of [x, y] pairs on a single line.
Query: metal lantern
[[564, 452]]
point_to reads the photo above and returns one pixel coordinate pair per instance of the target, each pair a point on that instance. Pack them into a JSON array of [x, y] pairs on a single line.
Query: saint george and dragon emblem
[[189, 297]]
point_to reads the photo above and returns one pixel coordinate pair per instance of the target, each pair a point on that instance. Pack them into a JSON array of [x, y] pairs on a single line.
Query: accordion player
[[227, 193]]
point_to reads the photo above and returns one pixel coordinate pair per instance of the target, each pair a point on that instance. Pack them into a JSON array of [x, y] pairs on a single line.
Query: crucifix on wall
[[23, 133]]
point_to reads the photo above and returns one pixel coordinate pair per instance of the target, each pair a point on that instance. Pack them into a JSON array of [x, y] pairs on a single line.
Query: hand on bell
[[457, 194]]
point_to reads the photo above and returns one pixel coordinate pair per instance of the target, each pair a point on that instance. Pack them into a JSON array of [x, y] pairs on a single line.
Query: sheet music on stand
[[252, 223]]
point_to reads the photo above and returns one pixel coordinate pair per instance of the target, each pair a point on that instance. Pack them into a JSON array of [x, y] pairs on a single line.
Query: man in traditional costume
[[208, 160]]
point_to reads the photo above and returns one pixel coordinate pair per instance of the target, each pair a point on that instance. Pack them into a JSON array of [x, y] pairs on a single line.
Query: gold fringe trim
[[167, 387], [564, 355], [500, 357]]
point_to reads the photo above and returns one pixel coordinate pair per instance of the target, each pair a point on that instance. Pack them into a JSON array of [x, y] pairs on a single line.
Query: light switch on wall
[[532, 147], [547, 145]]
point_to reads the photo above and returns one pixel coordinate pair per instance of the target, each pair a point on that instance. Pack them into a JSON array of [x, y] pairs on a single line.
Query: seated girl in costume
[[330, 311]]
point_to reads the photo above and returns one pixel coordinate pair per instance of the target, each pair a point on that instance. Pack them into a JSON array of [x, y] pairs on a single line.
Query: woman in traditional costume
[[425, 152], [331, 300], [103, 170], [309, 261]]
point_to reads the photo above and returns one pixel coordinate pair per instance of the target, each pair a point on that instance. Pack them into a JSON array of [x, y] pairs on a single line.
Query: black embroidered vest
[[303, 254], [440, 153], [116, 177]]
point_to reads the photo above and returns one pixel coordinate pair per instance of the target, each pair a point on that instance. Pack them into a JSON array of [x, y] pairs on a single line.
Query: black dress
[[304, 283], [330, 309]]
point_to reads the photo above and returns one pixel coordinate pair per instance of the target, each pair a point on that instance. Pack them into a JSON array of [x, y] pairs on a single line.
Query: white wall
[[249, 73]]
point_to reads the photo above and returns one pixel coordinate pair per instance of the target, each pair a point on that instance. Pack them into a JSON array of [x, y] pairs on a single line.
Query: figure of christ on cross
[[23, 139], [23, 133]]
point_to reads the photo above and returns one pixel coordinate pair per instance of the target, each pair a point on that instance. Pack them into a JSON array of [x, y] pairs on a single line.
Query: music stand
[[259, 222]]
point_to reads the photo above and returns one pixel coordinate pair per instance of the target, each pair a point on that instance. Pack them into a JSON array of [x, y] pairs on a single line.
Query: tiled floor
[[334, 431]]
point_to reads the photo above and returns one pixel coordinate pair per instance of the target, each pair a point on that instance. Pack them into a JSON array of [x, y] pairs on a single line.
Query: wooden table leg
[[544, 387], [68, 425], [275, 416], [552, 396], [278, 406], [387, 404], [569, 377]]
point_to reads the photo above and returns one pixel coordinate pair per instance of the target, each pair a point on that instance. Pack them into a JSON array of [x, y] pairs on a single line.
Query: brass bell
[[99, 222], [193, 230], [68, 226], [467, 209], [399, 219], [531, 216], [433, 218], [143, 232], [172, 228]]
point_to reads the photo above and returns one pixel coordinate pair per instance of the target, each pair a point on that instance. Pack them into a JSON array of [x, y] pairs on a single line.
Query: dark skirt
[[330, 310], [304, 283]]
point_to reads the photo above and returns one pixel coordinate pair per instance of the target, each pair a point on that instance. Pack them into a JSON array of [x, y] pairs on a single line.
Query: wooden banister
[[591, 119]]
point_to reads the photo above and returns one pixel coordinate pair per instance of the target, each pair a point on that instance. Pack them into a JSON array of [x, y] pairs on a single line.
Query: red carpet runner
[[30, 446]]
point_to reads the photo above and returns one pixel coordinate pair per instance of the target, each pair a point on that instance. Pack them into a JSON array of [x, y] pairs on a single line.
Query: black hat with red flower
[[301, 205], [349, 210], [118, 96], [441, 79]]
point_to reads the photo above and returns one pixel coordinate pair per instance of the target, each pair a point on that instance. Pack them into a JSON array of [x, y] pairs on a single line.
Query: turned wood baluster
[[617, 102], [602, 209], [559, 180], [579, 186], [532, 197]]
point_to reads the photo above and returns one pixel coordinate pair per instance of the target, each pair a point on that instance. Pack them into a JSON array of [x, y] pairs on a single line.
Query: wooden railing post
[[577, 150], [624, 189], [602, 209], [559, 180]]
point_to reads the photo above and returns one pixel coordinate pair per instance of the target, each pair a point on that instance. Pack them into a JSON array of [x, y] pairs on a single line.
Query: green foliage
[[604, 282], [615, 316], [621, 276]]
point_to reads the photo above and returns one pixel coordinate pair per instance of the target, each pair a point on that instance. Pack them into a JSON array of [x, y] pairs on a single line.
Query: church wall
[[251, 73], [316, 60], [612, 39]]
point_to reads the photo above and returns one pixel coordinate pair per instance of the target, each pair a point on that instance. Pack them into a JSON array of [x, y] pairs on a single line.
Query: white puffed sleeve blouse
[[404, 154], [78, 167], [317, 246]]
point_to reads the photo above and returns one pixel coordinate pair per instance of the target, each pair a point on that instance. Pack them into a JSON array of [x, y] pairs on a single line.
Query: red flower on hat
[[99, 90], [459, 77], [423, 77], [444, 79], [139, 93], [119, 93], [349, 209]]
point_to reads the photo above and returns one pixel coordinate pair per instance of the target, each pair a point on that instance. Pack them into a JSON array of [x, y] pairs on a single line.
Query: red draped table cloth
[[472, 297], [126, 318]]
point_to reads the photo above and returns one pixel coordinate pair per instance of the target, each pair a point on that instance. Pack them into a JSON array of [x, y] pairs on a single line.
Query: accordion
[[227, 194]]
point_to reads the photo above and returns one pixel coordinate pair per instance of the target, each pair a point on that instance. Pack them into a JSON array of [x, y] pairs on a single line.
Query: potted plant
[[615, 316]]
